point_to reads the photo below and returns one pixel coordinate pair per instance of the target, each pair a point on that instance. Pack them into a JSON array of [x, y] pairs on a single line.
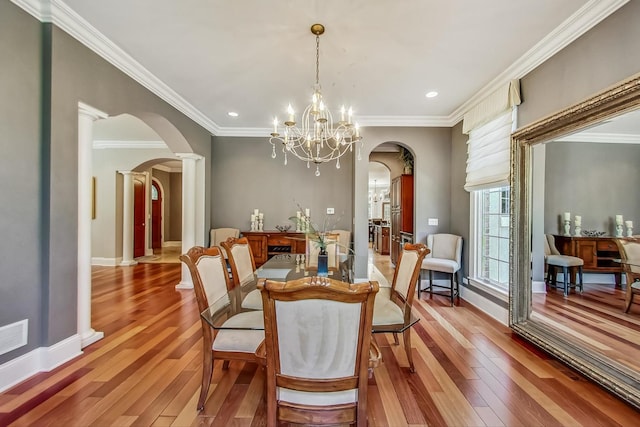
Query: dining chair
[[554, 259], [395, 309], [629, 249], [211, 283], [344, 241], [243, 267], [313, 249], [317, 344], [219, 235], [445, 257]]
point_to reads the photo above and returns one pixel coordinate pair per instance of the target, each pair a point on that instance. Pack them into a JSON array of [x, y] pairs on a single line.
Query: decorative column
[[127, 219], [86, 116], [189, 186]]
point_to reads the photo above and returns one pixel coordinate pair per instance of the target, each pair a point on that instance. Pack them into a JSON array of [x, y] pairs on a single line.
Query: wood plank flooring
[[471, 371]]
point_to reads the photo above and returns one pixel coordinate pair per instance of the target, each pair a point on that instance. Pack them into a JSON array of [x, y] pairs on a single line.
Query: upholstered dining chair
[[445, 257], [554, 259], [395, 309], [312, 251], [629, 249], [243, 266], [211, 283], [344, 241], [219, 235], [317, 341]]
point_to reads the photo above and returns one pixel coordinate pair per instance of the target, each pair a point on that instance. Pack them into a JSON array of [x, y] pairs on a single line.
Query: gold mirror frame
[[608, 373]]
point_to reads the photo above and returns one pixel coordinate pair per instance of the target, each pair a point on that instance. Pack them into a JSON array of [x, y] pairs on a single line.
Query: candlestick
[[306, 212], [629, 225], [567, 227]]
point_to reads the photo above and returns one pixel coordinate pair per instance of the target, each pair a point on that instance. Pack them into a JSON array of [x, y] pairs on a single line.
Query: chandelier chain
[[317, 60]]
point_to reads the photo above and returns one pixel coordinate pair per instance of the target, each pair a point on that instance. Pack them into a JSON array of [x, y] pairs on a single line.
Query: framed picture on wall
[[386, 211]]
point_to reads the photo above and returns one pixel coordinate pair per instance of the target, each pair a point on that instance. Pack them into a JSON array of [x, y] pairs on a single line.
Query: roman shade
[[489, 125]]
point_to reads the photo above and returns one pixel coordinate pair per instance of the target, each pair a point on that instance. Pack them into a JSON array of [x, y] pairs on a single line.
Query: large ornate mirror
[[583, 161]]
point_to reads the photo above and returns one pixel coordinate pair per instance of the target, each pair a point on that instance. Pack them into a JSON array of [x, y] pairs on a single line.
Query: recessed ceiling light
[[232, 114], [432, 94]]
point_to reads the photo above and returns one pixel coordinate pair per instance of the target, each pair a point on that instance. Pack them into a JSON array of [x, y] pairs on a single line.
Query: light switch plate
[[433, 221], [330, 211]]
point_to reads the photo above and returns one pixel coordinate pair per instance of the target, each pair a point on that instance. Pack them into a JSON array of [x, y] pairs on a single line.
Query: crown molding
[[120, 144], [573, 27], [57, 12], [602, 138]]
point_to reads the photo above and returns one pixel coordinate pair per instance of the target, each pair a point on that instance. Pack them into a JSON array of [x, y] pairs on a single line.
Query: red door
[[138, 218], [156, 216]]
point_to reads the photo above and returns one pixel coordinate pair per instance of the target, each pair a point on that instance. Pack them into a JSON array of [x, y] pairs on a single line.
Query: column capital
[[89, 111], [127, 172], [189, 156]]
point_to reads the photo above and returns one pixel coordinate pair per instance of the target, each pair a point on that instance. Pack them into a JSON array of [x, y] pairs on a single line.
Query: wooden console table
[[598, 253], [265, 244]]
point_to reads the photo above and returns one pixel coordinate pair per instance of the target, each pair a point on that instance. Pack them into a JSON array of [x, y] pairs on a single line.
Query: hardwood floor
[[471, 371]]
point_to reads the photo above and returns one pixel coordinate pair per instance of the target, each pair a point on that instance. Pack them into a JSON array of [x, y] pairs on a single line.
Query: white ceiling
[[254, 57]]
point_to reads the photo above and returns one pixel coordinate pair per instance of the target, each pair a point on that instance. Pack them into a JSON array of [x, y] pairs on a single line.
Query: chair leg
[[629, 297], [395, 338], [207, 372], [225, 365], [580, 279], [452, 289], [407, 348], [430, 281], [565, 273], [419, 284]]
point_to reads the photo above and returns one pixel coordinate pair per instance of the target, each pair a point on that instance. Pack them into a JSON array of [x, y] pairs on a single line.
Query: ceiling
[[254, 57]]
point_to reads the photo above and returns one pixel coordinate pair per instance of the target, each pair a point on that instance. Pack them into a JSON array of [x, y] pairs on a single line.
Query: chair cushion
[[439, 264], [564, 261], [246, 341], [386, 312], [253, 300]]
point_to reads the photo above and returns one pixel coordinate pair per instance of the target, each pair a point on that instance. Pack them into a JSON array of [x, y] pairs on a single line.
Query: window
[[154, 193], [492, 234]]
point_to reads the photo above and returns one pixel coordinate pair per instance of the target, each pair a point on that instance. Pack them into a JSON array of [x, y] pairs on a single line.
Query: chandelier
[[317, 139]]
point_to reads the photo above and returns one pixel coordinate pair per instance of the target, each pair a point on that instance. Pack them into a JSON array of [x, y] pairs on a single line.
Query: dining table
[[283, 267]]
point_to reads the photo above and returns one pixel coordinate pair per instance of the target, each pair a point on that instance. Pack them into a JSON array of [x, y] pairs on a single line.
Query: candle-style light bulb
[[357, 130], [342, 111], [291, 113], [350, 114], [275, 125]]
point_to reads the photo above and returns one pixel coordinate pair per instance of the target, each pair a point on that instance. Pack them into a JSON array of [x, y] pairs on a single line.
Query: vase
[[323, 263]]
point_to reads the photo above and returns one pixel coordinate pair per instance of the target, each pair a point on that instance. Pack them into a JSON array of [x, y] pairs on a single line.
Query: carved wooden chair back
[[240, 259]]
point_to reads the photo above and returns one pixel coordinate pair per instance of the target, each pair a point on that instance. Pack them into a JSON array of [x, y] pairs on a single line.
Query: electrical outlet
[[330, 211], [433, 221]]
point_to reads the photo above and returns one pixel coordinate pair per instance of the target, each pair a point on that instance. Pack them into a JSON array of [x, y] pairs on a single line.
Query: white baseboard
[[499, 313], [107, 262], [41, 359], [538, 287], [172, 243]]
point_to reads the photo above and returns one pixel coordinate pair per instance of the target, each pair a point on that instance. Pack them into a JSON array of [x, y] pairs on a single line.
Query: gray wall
[[245, 177], [39, 217], [595, 181], [23, 171], [460, 201]]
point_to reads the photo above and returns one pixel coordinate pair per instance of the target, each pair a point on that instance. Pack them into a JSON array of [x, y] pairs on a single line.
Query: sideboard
[[598, 253], [265, 244]]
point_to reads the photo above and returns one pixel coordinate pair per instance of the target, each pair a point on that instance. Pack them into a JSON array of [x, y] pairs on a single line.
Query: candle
[[291, 113], [350, 113], [255, 211], [578, 219], [306, 212], [357, 130], [275, 125], [629, 224], [342, 111], [567, 216], [260, 215], [619, 219], [298, 214]]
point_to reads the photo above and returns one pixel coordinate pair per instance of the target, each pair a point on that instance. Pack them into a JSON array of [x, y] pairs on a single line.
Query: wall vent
[[13, 336]]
